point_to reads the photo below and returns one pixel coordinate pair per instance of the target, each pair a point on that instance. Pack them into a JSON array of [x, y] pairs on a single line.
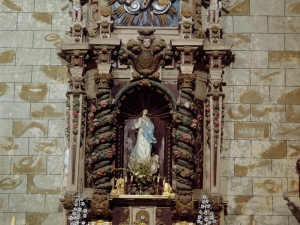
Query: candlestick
[[13, 221]]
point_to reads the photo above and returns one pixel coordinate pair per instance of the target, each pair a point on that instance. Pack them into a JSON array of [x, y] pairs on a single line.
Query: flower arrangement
[[141, 171]]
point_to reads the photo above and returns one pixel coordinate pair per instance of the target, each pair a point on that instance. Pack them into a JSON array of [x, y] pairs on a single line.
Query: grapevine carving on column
[[184, 147], [101, 132]]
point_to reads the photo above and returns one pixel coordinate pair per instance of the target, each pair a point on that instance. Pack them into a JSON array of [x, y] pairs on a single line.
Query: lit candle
[[13, 221]]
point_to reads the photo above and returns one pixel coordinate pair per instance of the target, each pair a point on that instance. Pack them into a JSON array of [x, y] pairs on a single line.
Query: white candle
[[131, 178], [13, 221], [157, 179], [125, 179]]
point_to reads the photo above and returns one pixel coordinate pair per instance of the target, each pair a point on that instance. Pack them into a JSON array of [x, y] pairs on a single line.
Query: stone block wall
[[262, 121], [33, 83]]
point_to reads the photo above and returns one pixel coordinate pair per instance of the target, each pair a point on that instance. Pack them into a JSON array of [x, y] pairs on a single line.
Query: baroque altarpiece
[[128, 57]]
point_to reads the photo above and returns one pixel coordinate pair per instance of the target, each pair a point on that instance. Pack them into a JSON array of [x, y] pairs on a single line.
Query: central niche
[[130, 102]]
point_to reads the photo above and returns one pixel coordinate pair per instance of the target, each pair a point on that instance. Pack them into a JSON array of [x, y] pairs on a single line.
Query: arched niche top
[[144, 94]]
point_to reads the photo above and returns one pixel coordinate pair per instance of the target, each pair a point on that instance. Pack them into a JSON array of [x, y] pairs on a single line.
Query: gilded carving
[[168, 190], [119, 188], [142, 217], [146, 55]]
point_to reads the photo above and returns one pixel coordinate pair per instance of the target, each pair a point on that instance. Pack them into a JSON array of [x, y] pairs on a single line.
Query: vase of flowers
[[142, 172]]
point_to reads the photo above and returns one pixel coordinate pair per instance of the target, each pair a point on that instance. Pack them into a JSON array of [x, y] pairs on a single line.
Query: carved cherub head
[[147, 42]]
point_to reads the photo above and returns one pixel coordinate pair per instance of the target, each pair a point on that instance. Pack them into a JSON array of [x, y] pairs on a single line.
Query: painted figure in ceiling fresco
[[214, 9], [146, 12], [145, 139]]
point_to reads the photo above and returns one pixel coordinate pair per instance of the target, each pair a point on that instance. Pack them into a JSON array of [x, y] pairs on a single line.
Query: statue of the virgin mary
[[144, 141]]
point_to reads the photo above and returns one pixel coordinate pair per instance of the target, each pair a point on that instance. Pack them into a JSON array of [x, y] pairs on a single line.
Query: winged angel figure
[[145, 12]]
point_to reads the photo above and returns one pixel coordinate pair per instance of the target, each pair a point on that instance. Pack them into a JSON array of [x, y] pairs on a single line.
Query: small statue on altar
[[214, 9], [168, 191], [75, 8], [120, 187]]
